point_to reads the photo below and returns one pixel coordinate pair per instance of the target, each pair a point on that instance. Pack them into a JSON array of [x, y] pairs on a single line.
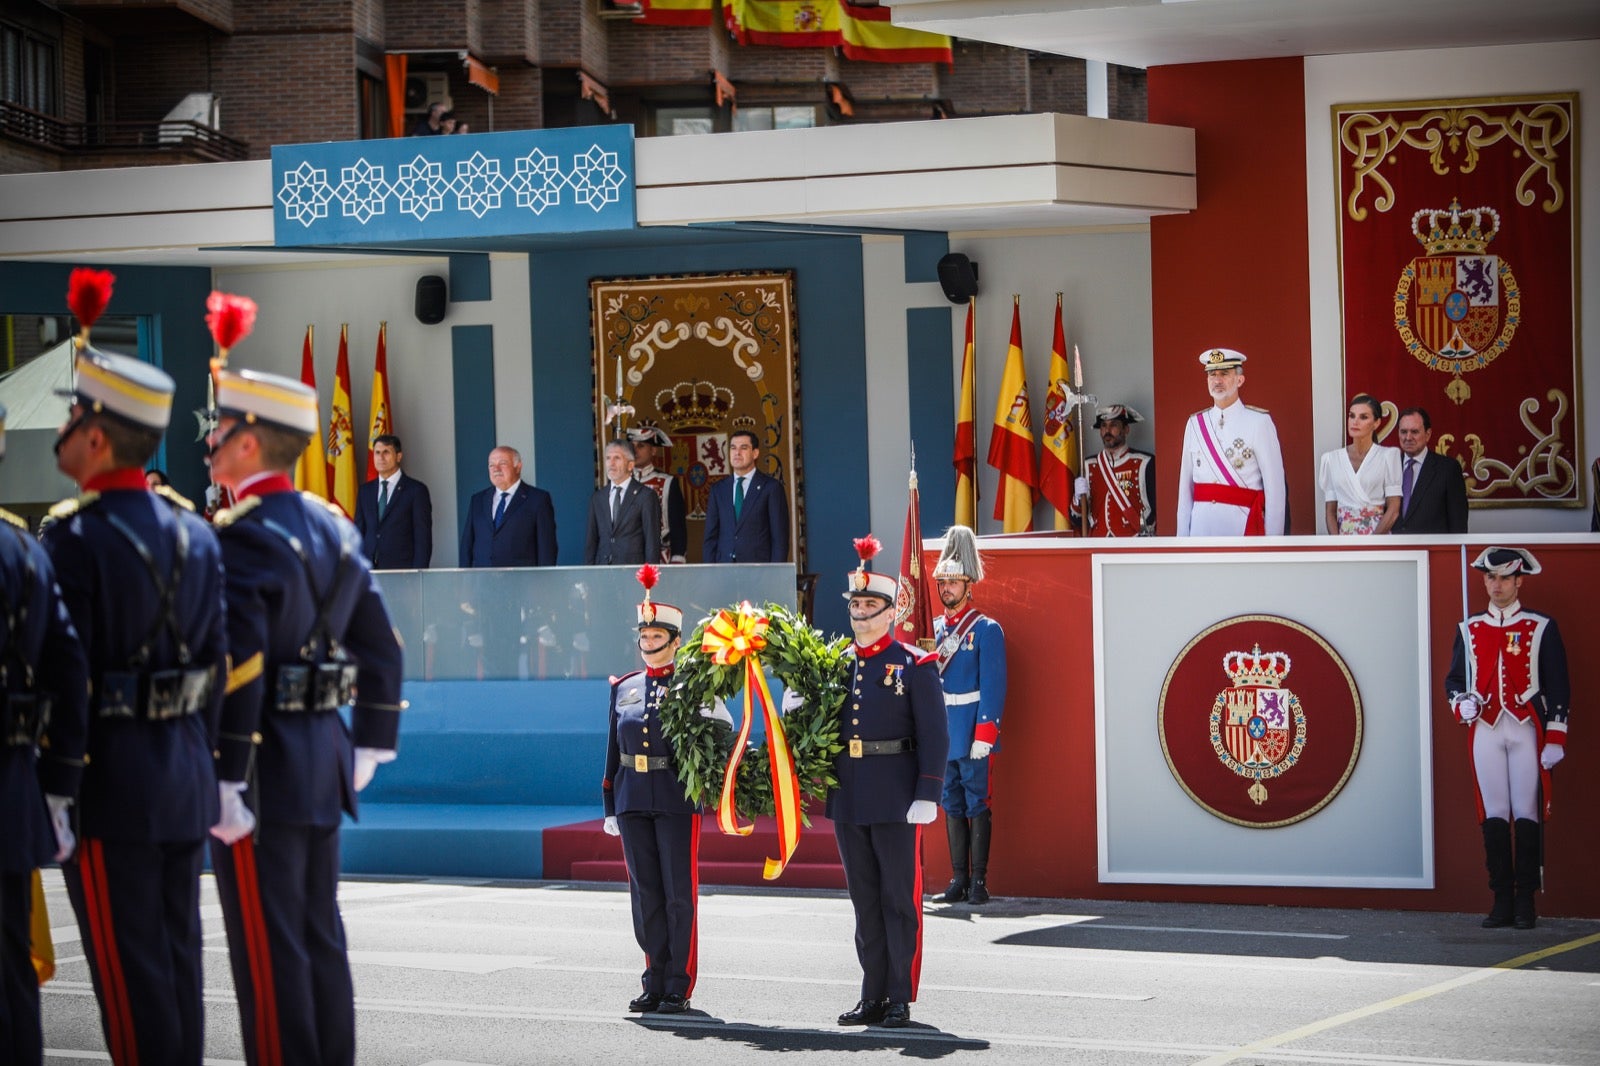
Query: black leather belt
[[23, 716], [310, 688], [155, 696], [858, 748], [645, 763]]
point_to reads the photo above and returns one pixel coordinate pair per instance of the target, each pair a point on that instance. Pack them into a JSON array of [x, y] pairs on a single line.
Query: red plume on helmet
[[648, 575], [231, 318], [867, 547], [88, 293]]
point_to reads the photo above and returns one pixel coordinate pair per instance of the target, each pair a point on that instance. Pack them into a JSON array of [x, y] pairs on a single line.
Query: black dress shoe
[[954, 894], [978, 894], [896, 1016], [673, 1003], [644, 1003], [867, 1012]]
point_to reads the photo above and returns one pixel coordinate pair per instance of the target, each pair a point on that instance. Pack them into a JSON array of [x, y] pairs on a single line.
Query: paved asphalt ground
[[475, 972]]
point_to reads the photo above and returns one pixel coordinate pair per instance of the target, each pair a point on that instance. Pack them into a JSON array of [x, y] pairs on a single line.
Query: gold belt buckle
[[641, 764], [855, 748]]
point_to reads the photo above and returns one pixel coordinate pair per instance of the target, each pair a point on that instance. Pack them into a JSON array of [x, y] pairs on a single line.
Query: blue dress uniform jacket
[[895, 695], [660, 830], [141, 576], [975, 667], [298, 589], [39, 657]]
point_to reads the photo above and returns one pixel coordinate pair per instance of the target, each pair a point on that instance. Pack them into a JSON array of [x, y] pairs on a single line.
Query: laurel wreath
[[803, 660]]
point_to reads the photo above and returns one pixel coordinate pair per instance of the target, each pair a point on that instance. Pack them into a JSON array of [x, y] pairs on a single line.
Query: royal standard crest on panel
[[1258, 727]]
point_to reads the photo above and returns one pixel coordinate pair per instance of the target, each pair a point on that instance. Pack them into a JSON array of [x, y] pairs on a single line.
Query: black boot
[[1529, 854], [956, 829], [979, 893], [1497, 855]]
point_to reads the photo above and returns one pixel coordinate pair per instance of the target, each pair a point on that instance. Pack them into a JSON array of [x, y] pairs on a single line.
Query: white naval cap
[[1222, 358]]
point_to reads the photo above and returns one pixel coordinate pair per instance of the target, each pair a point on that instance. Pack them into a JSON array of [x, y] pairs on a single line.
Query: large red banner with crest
[[1459, 273]]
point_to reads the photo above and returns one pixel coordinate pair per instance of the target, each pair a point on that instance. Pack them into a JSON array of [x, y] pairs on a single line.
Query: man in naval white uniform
[[1230, 481]]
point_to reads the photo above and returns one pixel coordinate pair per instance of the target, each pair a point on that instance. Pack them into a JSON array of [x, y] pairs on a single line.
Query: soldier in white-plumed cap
[[1508, 682], [309, 634], [1121, 481], [971, 650], [1230, 482], [889, 776]]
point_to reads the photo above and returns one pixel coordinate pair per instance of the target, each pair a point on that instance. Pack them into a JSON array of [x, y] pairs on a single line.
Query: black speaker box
[[958, 276], [431, 299]]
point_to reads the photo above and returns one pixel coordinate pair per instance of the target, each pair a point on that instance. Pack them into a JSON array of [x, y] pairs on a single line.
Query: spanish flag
[[869, 35], [1058, 462], [676, 12], [311, 472], [864, 33], [1011, 442], [965, 457], [341, 434], [380, 422]]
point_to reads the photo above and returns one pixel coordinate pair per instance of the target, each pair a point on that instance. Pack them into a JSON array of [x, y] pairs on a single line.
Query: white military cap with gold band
[[660, 616], [126, 388], [1222, 358], [271, 399]]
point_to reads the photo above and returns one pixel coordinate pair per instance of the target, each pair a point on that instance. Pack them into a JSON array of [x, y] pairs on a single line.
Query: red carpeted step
[[582, 852]]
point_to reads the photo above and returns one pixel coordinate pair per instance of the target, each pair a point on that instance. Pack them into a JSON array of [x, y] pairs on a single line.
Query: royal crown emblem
[[1258, 727], [694, 406], [1456, 307]]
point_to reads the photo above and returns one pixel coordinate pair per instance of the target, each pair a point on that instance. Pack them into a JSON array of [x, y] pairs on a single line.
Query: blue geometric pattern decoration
[[572, 180]]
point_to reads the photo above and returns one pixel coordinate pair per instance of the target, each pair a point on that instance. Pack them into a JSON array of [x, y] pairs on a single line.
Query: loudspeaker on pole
[[431, 299], [958, 276]]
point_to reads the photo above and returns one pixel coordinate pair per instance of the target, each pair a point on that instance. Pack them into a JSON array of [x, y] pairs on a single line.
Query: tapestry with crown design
[[1459, 271], [702, 356]]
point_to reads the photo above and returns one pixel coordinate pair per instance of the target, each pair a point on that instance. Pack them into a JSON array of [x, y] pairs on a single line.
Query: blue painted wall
[[832, 362], [174, 298]]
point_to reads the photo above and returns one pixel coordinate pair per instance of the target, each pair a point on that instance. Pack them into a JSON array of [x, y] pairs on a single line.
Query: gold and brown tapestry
[[1459, 275], [701, 356]]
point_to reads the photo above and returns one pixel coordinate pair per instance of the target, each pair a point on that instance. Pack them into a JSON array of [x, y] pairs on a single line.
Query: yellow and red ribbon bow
[[733, 637]]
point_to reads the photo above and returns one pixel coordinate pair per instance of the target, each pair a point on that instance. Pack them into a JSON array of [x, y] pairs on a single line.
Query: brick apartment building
[[94, 83]]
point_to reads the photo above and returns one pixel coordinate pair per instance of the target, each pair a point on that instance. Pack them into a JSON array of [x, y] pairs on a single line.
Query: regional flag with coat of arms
[[342, 434], [1011, 441], [1058, 460], [380, 422]]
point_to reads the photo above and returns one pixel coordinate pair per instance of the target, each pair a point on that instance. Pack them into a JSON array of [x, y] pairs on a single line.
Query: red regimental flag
[[381, 421], [913, 619], [965, 456], [342, 434], [311, 472], [1011, 441]]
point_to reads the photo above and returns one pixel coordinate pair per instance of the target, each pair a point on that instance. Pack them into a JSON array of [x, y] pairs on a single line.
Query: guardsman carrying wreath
[[971, 650], [1508, 683]]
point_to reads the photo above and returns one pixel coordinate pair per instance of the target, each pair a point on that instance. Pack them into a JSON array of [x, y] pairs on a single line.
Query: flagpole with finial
[[1079, 399], [619, 409]]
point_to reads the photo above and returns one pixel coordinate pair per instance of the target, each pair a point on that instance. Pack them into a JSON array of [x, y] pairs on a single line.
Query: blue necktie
[[1406, 481], [500, 512], [738, 496]]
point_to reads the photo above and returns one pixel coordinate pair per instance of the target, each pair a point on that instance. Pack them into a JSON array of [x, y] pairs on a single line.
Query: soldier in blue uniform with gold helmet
[[306, 628], [890, 774], [141, 576], [972, 666], [44, 689], [646, 807]]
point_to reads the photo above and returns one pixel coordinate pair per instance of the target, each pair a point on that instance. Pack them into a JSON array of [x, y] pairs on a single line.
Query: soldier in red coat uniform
[[1508, 682], [1120, 482]]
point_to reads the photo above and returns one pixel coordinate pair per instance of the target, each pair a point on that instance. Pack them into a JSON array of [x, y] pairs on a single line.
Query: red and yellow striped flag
[[676, 12], [864, 33], [1058, 461], [1011, 442], [965, 456], [311, 472], [342, 434], [381, 421]]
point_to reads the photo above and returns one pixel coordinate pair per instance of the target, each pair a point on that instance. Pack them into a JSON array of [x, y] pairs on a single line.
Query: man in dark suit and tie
[[624, 515], [747, 520], [394, 513], [511, 523], [1433, 494]]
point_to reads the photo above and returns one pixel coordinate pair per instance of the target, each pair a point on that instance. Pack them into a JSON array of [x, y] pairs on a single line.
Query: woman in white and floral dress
[[1361, 482]]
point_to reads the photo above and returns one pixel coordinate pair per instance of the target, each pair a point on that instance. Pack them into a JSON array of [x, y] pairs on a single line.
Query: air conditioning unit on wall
[[424, 88]]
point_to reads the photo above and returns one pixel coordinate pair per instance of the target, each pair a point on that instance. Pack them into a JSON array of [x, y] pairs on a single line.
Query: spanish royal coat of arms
[[1258, 727]]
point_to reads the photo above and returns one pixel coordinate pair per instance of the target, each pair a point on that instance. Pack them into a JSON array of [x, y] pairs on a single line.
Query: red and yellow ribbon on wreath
[[730, 638]]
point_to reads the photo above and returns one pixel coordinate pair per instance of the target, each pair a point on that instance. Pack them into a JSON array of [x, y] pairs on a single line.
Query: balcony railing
[[166, 136]]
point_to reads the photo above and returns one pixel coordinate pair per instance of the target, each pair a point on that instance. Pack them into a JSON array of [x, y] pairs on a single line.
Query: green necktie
[[738, 496], [383, 498]]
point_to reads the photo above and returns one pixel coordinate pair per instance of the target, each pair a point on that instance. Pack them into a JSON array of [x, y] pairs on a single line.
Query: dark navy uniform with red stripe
[[895, 702], [141, 577], [40, 659], [660, 832], [302, 603]]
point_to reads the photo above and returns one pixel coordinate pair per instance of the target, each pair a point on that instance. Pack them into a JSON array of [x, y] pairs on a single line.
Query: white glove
[[1080, 487], [1466, 707], [922, 812], [65, 841], [980, 749], [717, 711], [611, 827], [367, 762], [236, 820], [1548, 757], [792, 700]]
